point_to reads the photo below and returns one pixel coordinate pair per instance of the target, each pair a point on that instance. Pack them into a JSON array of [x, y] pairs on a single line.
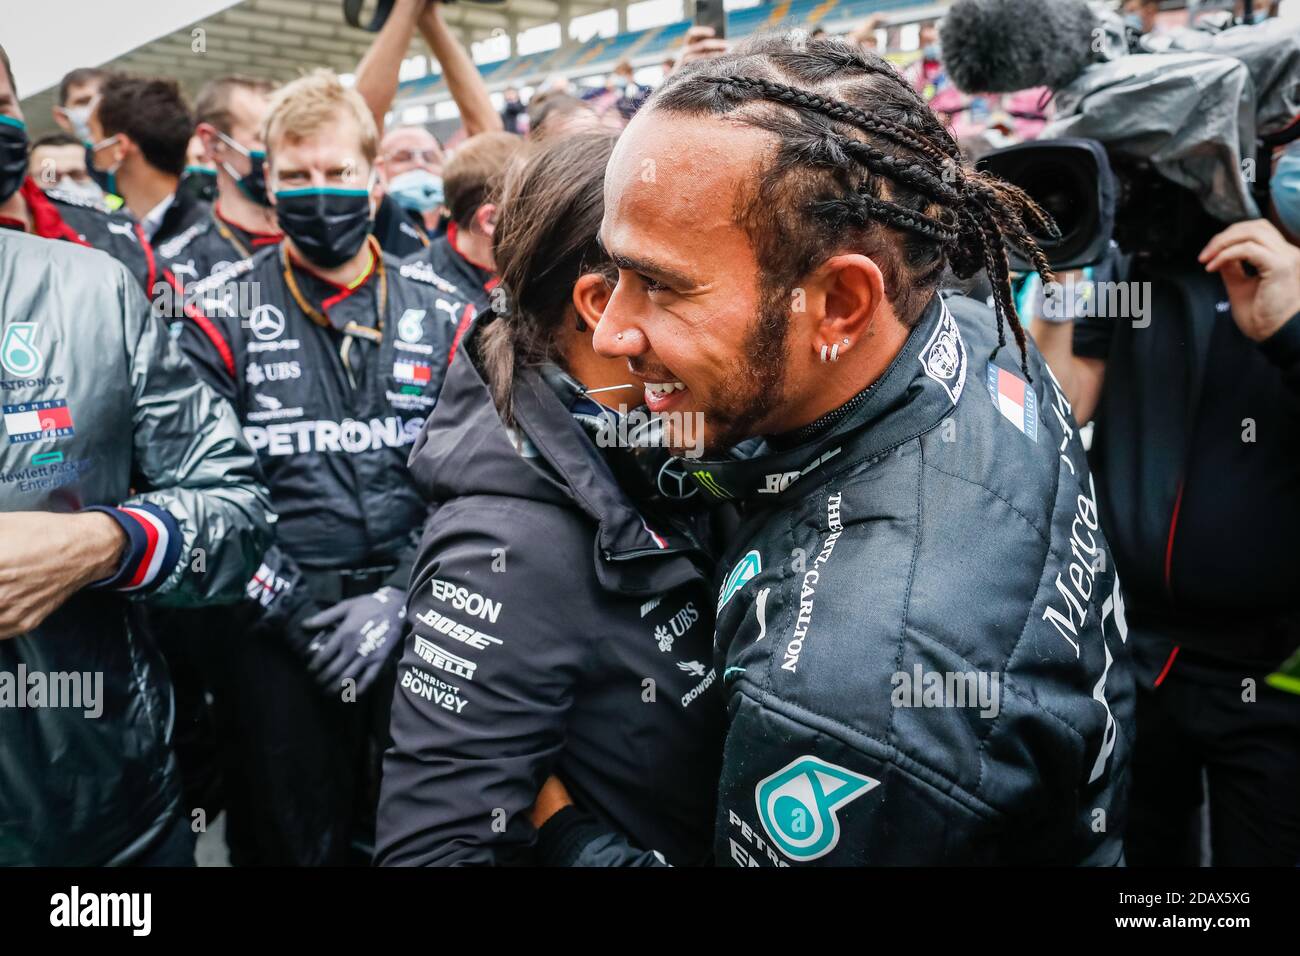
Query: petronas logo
[[798, 804], [745, 569], [18, 352]]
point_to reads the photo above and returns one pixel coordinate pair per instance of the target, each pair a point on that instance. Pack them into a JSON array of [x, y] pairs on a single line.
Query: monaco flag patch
[[1014, 399]]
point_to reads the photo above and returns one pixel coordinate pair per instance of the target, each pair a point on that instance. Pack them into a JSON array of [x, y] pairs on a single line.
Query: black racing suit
[[399, 231], [923, 640], [186, 210], [331, 417], [444, 258], [211, 244], [921, 636], [558, 626], [208, 245], [1197, 456]]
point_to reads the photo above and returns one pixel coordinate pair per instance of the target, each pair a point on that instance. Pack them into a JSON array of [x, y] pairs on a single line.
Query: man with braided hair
[[919, 633]]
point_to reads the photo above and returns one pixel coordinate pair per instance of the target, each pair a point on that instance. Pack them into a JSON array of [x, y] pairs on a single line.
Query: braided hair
[[862, 162]]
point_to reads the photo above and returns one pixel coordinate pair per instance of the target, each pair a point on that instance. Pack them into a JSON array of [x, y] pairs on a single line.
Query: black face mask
[[254, 184], [327, 225], [199, 183], [13, 155], [103, 180]]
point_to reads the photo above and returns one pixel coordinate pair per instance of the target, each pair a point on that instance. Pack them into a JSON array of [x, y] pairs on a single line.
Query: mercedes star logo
[[674, 481], [266, 322]]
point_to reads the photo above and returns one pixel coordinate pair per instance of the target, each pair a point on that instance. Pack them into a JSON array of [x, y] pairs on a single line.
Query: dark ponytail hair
[[546, 238]]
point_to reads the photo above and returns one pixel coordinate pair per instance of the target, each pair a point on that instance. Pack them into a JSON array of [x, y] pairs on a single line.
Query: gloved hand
[[354, 639]]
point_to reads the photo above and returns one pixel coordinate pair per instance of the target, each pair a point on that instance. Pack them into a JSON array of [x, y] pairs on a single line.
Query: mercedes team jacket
[[101, 411], [920, 631]]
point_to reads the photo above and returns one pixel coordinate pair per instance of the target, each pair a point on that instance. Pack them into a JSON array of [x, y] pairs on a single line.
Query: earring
[[835, 352], [825, 349]]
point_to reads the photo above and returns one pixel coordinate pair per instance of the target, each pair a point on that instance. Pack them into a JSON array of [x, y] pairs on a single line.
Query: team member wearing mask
[[471, 181], [78, 91], [332, 375], [1284, 186], [411, 162], [54, 214], [58, 162], [228, 115], [140, 130], [531, 655]]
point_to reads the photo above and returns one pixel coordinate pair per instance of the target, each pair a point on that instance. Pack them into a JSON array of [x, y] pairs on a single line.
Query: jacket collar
[[46, 221], [918, 390], [624, 535], [481, 276]]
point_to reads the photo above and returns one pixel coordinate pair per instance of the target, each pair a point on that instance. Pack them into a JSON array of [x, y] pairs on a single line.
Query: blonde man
[[332, 358]]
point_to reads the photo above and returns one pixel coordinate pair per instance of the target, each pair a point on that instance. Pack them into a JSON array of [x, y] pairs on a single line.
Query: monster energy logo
[[710, 484]]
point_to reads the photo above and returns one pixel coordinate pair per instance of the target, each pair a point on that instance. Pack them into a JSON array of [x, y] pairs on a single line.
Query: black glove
[[279, 601], [355, 638]]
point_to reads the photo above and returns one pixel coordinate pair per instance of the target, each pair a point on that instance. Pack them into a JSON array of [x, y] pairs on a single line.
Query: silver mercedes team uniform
[[101, 411]]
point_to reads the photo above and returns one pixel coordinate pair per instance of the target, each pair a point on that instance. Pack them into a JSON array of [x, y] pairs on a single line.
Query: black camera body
[[1095, 198]]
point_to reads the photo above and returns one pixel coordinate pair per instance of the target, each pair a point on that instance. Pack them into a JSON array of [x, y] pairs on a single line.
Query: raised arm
[[379, 69], [477, 113]]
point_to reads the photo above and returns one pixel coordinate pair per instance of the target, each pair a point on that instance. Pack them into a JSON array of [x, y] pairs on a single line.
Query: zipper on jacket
[[633, 555]]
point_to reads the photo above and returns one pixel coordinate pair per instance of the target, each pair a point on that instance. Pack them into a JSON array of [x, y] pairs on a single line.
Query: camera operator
[[1180, 347], [1208, 562]]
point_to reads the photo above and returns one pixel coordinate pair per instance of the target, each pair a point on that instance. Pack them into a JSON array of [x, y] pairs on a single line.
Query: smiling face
[[689, 313]]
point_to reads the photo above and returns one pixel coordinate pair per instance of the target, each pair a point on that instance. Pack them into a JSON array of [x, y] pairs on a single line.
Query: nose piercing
[[619, 336]]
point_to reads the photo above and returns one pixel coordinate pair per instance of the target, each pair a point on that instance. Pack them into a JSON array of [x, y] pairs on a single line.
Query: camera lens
[[1055, 187]]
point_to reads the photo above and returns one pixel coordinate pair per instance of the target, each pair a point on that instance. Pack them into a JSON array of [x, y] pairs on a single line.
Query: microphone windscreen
[[1000, 46]]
